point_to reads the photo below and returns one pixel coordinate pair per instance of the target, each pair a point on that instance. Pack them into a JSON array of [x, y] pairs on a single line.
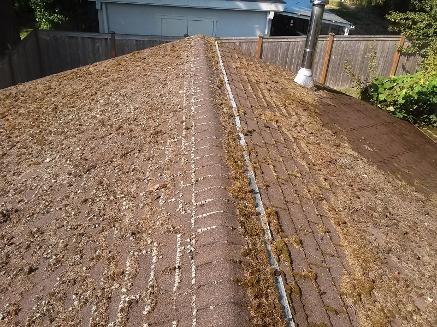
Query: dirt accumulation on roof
[[115, 207], [353, 200], [124, 200]]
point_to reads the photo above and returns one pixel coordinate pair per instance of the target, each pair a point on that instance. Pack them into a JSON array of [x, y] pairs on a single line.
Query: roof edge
[[330, 20], [262, 5]]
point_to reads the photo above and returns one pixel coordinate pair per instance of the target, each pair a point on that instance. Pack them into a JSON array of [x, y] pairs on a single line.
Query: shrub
[[409, 97]]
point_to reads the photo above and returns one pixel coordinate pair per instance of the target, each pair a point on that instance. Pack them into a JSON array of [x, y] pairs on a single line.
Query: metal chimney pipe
[[305, 75]]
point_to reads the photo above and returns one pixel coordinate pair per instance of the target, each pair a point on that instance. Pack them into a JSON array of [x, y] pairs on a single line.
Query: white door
[[200, 26], [173, 26]]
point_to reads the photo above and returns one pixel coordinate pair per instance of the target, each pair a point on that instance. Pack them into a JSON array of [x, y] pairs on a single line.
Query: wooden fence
[[338, 58], [43, 53], [21, 64]]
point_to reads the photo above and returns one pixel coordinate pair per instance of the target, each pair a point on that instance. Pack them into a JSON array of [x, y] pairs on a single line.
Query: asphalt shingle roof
[[124, 200]]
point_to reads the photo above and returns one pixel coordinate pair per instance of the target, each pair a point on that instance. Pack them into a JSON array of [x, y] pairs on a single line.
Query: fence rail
[[337, 59]]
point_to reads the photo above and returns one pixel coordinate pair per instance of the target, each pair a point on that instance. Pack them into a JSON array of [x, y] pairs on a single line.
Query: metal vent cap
[[320, 2]]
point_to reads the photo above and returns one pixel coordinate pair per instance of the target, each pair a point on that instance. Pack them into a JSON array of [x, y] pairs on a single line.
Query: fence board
[[24, 62], [318, 58], [5, 73], [408, 64], [63, 51]]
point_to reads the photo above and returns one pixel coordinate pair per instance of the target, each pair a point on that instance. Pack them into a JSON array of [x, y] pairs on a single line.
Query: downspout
[[305, 75], [346, 30], [105, 18], [100, 16], [270, 16]]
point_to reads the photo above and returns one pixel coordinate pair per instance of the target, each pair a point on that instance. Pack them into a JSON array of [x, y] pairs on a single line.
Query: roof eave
[[276, 6], [328, 21]]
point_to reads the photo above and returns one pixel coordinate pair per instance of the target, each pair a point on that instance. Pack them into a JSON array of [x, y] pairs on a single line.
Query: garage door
[[173, 26], [180, 26], [201, 26]]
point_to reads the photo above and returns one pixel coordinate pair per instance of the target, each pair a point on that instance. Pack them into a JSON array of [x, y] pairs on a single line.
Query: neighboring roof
[[302, 9], [256, 5]]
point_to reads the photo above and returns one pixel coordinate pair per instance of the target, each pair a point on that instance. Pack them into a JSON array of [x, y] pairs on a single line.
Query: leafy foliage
[[366, 3], [430, 62], [50, 14], [360, 81], [47, 13], [409, 97], [419, 25], [386, 5]]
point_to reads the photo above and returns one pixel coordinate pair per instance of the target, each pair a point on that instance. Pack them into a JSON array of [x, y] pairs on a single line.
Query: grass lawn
[[367, 20]]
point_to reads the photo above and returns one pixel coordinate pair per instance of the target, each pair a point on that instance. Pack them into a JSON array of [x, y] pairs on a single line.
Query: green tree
[[386, 5], [366, 3], [59, 14], [419, 25], [47, 13]]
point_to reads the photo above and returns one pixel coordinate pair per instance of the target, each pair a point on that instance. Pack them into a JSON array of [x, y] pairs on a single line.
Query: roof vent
[[305, 75]]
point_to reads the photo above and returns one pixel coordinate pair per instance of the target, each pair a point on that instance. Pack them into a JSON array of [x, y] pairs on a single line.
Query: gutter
[[326, 21], [277, 6]]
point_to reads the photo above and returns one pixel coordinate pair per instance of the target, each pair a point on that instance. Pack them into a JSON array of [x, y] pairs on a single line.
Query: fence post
[[113, 47], [259, 47], [327, 58], [397, 56]]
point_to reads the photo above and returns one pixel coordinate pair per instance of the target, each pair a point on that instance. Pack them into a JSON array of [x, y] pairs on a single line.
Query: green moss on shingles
[[258, 280]]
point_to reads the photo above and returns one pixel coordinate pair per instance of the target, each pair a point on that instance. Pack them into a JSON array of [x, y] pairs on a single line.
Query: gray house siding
[[178, 21]]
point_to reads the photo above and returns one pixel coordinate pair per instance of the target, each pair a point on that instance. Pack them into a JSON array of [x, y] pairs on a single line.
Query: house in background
[[222, 18], [294, 20]]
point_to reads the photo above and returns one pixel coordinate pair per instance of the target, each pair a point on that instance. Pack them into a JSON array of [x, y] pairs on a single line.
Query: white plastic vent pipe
[[305, 75]]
